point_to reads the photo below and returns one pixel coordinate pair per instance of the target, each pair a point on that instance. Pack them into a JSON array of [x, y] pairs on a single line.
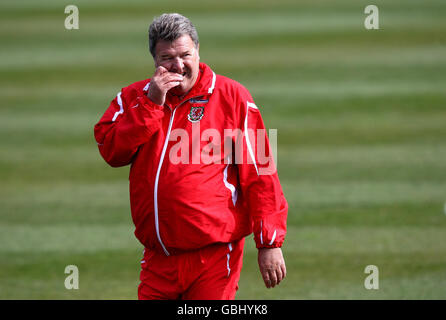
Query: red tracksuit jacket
[[191, 184]]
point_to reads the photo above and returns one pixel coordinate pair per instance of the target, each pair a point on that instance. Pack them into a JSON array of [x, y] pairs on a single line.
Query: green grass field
[[361, 119]]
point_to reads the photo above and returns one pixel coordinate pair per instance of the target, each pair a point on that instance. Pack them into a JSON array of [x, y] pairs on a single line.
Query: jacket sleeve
[[259, 181], [128, 123]]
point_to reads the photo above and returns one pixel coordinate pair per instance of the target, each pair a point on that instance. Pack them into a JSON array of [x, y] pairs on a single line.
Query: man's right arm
[[128, 123]]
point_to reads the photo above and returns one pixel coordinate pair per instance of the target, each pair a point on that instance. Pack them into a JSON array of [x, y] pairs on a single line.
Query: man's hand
[[272, 266], [161, 82]]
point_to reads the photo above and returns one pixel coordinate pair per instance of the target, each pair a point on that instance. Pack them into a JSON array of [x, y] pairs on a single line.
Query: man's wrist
[[266, 246]]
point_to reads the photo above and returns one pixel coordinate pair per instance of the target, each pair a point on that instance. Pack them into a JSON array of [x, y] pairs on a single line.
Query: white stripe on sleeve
[[211, 89], [121, 108], [230, 186], [248, 142], [274, 238], [228, 255]]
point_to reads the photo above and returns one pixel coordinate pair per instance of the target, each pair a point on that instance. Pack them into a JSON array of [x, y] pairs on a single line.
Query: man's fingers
[[159, 71], [162, 81], [273, 277], [279, 274], [283, 267], [171, 85], [266, 279], [174, 77]]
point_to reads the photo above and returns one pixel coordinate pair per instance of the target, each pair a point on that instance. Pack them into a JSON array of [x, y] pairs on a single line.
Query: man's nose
[[177, 65]]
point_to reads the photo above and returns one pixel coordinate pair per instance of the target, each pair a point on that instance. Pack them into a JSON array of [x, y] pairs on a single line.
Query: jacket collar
[[204, 85]]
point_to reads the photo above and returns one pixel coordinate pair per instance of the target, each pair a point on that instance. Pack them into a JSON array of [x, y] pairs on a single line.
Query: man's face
[[179, 56]]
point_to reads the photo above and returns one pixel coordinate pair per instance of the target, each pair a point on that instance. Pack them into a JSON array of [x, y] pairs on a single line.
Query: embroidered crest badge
[[196, 113]]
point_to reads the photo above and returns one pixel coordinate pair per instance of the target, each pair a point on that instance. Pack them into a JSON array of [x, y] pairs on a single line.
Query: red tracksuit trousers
[[209, 273]]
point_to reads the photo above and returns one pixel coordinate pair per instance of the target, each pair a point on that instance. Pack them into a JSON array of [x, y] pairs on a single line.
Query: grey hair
[[169, 27]]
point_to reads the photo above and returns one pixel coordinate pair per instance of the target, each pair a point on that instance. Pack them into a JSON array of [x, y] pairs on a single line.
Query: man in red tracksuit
[[202, 176]]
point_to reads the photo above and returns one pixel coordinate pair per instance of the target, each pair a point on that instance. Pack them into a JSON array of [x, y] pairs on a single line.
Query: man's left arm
[[261, 188]]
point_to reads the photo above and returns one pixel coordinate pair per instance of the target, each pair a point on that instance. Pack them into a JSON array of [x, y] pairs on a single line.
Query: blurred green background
[[361, 119]]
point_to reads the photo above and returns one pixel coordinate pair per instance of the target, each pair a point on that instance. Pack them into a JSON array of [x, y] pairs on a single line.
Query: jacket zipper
[[163, 153]]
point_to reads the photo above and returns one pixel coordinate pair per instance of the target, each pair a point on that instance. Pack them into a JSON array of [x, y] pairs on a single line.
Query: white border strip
[[121, 108], [248, 142], [211, 89], [261, 231], [228, 255], [155, 193], [274, 238], [229, 185]]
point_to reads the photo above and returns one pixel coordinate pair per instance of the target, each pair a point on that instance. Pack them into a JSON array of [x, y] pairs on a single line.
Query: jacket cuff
[[274, 245], [270, 231]]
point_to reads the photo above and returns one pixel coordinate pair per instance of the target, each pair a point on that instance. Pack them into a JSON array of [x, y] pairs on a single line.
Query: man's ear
[[198, 51]]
